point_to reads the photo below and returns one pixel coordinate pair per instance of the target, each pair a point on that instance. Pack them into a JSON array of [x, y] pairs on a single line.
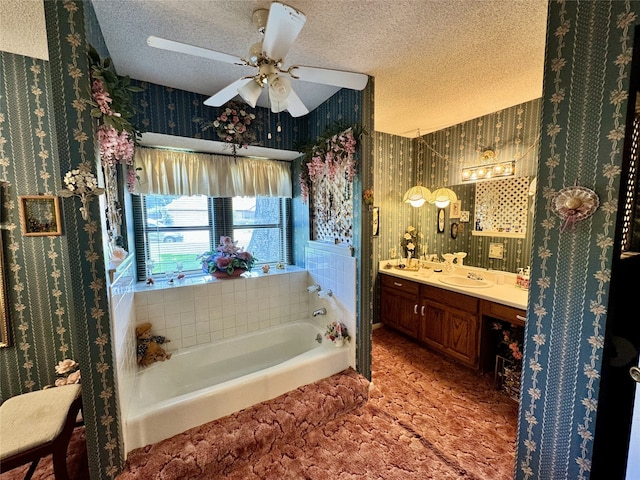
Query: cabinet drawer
[[459, 301], [509, 314], [407, 286]]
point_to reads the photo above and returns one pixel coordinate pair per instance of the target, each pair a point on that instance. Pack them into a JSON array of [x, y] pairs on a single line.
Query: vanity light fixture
[[416, 196], [489, 170]]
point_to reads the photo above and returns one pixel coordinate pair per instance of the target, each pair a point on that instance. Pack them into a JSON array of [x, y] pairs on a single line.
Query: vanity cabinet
[[443, 320], [449, 323], [399, 304], [490, 312]]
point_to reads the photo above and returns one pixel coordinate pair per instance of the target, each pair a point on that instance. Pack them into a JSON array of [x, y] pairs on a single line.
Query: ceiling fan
[[279, 27]]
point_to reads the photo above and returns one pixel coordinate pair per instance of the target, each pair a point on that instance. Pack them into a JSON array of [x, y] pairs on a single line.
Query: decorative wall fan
[[279, 27]]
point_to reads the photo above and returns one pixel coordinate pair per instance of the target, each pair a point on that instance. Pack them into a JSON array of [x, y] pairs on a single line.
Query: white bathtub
[[200, 384]]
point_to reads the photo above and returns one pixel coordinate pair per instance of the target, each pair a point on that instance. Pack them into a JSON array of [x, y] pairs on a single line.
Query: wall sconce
[[416, 196]]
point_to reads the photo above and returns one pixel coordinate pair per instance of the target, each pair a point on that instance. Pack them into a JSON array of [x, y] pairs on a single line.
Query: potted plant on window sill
[[228, 260]]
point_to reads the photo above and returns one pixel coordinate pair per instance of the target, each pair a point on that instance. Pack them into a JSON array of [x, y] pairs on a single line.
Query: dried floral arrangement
[[233, 125], [334, 149], [113, 107]]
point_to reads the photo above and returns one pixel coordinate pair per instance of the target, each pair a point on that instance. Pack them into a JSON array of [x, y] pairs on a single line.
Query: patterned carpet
[[426, 418]]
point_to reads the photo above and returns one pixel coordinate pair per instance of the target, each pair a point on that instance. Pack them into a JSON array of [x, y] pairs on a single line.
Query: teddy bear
[[149, 349]]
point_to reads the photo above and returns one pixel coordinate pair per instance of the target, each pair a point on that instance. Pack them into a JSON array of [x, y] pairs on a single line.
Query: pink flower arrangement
[[328, 157], [113, 107], [513, 344], [226, 258], [232, 125], [336, 330], [115, 147], [102, 98]]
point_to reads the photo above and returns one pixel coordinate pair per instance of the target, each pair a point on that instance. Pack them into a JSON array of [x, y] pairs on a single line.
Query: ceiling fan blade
[[172, 46], [337, 78], [283, 26], [296, 108], [227, 93]]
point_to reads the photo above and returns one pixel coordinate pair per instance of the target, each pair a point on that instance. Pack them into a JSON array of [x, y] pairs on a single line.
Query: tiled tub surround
[[201, 311], [333, 268], [122, 310]]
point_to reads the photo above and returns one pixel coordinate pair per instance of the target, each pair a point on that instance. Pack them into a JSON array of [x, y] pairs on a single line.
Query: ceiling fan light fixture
[[255, 53], [259, 18], [279, 88], [250, 92]]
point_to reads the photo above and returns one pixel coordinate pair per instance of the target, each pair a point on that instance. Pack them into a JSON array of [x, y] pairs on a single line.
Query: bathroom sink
[[460, 281]]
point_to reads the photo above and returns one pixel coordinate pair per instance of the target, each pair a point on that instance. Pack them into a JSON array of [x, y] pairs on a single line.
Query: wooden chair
[[36, 424]]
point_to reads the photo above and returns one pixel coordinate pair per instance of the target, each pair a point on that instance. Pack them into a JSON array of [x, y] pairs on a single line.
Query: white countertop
[[506, 293]]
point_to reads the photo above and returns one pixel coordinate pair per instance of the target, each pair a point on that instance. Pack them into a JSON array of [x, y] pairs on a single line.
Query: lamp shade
[[279, 88], [443, 197], [250, 92], [416, 196]]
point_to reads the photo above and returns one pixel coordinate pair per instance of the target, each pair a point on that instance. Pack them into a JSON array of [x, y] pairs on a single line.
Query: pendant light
[[417, 195], [442, 197]]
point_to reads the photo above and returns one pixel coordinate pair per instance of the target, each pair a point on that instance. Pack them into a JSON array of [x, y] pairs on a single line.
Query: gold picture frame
[[40, 215]]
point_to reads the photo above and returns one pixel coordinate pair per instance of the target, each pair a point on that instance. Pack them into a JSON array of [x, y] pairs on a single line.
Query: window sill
[[202, 279]]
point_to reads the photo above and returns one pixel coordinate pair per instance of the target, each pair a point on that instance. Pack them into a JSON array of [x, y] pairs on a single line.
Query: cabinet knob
[[415, 309], [397, 284], [422, 311], [521, 318]]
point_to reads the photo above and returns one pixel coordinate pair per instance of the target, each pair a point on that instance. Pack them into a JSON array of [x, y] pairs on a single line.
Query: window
[[171, 231]]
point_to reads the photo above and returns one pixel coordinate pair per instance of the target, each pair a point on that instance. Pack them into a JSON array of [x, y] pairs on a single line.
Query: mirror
[[461, 218], [5, 340]]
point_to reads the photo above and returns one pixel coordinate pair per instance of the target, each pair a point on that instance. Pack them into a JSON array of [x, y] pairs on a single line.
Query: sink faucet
[[474, 276], [320, 311]]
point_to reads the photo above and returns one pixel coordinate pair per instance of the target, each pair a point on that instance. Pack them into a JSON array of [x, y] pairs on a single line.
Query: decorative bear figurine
[[148, 348]]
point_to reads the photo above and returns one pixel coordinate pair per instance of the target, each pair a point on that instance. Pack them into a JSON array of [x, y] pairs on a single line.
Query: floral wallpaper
[[40, 327], [586, 81], [58, 302], [44, 131], [171, 111]]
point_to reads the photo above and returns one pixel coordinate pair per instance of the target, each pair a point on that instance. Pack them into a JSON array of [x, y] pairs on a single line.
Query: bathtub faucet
[[314, 288], [320, 311]]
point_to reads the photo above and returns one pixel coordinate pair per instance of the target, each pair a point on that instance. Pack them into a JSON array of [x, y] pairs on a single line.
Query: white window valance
[[170, 172]]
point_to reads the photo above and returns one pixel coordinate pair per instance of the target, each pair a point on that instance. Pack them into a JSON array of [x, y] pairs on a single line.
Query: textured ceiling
[[22, 28], [435, 62]]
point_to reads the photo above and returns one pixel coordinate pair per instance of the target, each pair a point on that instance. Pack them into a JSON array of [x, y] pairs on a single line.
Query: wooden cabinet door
[[399, 305], [407, 313], [432, 321], [461, 336]]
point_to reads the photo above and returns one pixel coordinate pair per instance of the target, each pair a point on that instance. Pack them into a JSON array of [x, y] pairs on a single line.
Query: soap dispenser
[[523, 279]]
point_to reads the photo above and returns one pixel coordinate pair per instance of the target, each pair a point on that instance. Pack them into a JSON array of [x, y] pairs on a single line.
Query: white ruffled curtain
[[169, 172]]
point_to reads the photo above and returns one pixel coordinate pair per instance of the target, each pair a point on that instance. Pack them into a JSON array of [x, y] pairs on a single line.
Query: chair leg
[[32, 469], [61, 443]]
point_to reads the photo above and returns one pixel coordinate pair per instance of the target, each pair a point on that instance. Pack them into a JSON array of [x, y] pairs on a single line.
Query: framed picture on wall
[[375, 220], [440, 220], [40, 215], [455, 208]]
